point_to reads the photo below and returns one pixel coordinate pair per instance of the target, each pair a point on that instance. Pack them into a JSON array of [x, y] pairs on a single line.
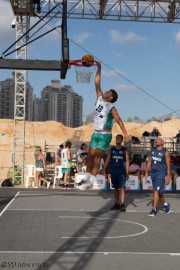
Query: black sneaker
[[116, 206], [152, 213], [65, 186], [167, 208], [123, 208]]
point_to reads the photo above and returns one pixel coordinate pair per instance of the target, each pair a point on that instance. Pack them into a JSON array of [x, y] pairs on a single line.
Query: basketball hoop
[[83, 70]]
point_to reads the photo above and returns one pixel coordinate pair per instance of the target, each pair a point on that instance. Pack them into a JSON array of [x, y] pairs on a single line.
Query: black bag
[[7, 183]]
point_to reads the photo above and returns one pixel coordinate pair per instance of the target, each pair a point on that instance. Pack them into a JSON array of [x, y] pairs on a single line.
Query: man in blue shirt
[[119, 160], [159, 163]]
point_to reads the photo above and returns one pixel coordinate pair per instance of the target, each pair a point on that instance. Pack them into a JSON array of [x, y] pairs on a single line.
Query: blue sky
[[147, 55]]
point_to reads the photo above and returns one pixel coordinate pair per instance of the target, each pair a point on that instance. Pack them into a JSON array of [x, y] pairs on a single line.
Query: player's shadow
[[80, 247]]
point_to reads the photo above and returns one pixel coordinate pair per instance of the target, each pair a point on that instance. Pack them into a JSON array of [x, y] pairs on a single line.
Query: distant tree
[[134, 119], [153, 119], [129, 119]]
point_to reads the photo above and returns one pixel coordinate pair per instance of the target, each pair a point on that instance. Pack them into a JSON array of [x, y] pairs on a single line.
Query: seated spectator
[[134, 168], [135, 140], [144, 165], [177, 137], [82, 155], [155, 133], [146, 134]]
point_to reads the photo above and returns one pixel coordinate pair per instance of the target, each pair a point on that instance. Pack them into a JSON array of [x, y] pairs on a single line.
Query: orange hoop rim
[[80, 63]]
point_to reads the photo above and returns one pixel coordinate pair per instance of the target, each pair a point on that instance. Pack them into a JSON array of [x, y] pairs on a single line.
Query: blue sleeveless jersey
[[118, 159], [158, 163]]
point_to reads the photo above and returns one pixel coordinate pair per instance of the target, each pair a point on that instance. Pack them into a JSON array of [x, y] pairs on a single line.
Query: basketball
[[89, 60]]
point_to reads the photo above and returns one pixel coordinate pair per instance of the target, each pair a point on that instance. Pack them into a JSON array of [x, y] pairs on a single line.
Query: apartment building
[[61, 104], [7, 99], [7, 91], [36, 108]]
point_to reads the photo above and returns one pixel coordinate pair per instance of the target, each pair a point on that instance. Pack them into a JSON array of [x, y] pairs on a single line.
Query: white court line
[[57, 192], [5, 208], [106, 237], [84, 210], [89, 252]]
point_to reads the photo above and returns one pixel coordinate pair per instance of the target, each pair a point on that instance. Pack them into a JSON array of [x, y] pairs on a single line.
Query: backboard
[[65, 42]]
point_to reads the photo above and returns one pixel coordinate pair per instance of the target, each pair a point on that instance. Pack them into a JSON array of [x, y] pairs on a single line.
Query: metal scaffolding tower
[[21, 24]]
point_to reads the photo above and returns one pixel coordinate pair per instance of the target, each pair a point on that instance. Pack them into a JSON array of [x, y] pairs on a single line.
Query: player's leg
[[153, 212], [98, 145], [122, 185], [93, 165], [161, 196], [65, 171], [122, 199], [155, 199], [116, 205], [37, 178], [98, 155]]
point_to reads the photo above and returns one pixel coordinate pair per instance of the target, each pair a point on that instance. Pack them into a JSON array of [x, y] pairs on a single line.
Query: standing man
[[104, 114], [66, 162], [61, 147], [119, 160], [159, 163]]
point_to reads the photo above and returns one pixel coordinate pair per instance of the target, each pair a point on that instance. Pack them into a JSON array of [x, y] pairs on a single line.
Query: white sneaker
[[48, 184], [85, 186], [86, 177]]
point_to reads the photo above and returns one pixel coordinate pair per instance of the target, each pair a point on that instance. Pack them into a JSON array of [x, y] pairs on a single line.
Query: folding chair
[[30, 171], [57, 174]]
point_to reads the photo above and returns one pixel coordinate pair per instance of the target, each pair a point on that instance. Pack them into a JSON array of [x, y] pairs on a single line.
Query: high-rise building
[[61, 104], [7, 99], [7, 90], [36, 108]]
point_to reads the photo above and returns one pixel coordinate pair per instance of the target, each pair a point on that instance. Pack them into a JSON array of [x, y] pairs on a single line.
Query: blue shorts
[[158, 182], [118, 180], [101, 141]]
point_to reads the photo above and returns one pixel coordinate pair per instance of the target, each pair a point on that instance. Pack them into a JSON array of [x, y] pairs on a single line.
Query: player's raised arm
[[120, 123], [97, 80]]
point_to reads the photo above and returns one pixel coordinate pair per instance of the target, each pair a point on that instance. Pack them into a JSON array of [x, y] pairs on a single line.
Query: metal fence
[[138, 148]]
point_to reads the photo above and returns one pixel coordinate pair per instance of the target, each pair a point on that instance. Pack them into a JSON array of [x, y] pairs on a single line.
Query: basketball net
[[83, 74]]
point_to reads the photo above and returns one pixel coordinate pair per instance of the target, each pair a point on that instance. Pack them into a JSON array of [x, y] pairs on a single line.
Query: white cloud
[[7, 34], [82, 37], [113, 73], [124, 87], [129, 37], [118, 54], [177, 38]]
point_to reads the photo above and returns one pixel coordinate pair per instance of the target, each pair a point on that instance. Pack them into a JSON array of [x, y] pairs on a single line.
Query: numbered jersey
[[158, 163], [118, 160], [118, 157], [103, 118], [65, 163]]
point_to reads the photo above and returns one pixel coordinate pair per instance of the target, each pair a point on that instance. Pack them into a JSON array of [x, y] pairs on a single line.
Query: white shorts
[[39, 169]]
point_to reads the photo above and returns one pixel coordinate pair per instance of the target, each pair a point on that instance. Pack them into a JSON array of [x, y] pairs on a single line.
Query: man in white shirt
[[104, 114]]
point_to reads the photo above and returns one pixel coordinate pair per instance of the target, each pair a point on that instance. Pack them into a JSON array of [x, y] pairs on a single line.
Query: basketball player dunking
[[104, 114]]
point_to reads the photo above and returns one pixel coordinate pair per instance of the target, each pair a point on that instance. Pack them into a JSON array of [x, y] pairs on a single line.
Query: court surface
[[73, 229]]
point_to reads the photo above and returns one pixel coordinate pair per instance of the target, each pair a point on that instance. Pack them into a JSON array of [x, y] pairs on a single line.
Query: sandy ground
[[51, 134]]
